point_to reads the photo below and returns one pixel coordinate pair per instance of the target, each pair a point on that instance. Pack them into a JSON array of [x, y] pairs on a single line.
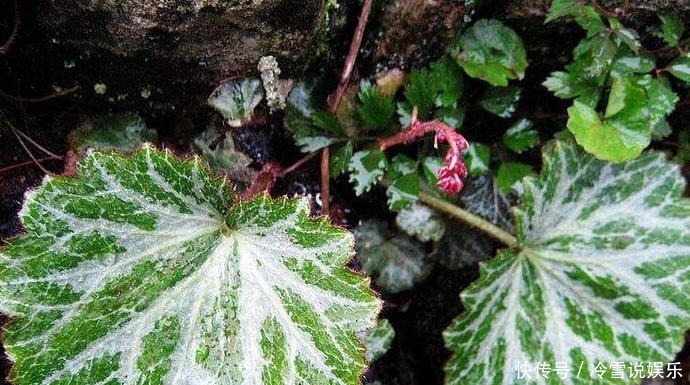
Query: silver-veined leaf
[[146, 270], [601, 274], [377, 340]]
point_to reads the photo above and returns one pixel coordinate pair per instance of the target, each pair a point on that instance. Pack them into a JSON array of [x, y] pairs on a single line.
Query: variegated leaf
[[377, 340], [144, 270], [601, 274]]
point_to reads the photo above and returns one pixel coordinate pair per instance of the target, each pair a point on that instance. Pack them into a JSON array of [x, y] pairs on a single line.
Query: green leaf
[[606, 141], [629, 64], [636, 105], [401, 165], [366, 169], [566, 86], [672, 28], [223, 158], [521, 136], [404, 188], [588, 18], [311, 128], [340, 159], [236, 100], [403, 192], [683, 153], [680, 68], [492, 52], [421, 92], [463, 246], [560, 8], [501, 101], [482, 196], [421, 222], [477, 158], [448, 80], [600, 275], [396, 263], [453, 117], [375, 109], [328, 124], [661, 130], [510, 173], [118, 132], [147, 270], [597, 55], [629, 37], [377, 340], [429, 170]]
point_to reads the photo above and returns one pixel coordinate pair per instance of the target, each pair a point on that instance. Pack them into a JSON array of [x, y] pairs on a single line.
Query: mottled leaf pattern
[[144, 270], [377, 340], [396, 262], [601, 274]]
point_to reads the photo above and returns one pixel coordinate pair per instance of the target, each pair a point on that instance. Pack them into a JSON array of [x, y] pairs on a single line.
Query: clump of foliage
[[621, 96], [148, 269]]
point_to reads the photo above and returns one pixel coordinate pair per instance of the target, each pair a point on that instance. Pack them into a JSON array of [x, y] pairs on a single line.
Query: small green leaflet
[[377, 340], [501, 101], [374, 109], [521, 136], [340, 158], [236, 100], [118, 132], [672, 28], [636, 105], [147, 270], [396, 262], [680, 68], [366, 169], [490, 51], [510, 174], [404, 188], [483, 197], [477, 157], [300, 116], [602, 274], [421, 222], [223, 158]]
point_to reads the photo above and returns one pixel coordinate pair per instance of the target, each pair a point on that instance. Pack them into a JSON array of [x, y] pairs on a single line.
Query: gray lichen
[[268, 67]]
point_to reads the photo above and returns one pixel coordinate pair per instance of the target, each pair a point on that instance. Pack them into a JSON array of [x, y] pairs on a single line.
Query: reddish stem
[[337, 96], [15, 28]]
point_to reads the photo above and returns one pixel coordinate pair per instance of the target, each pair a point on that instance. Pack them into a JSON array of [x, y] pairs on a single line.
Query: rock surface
[[139, 52]]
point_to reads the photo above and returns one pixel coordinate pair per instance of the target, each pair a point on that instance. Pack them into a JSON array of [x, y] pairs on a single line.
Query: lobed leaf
[[601, 274], [395, 262], [490, 51], [146, 270], [236, 100]]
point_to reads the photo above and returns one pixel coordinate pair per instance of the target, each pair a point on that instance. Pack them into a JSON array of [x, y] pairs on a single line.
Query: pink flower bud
[[449, 181]]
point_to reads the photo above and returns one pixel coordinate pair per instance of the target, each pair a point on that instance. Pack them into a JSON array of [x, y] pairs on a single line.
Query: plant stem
[[325, 180], [469, 218], [337, 96], [15, 28]]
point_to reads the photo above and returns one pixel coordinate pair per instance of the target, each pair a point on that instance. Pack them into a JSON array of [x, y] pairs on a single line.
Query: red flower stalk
[[451, 175]]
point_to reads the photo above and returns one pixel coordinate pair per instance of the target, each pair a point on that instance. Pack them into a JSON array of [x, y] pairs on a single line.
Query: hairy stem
[[469, 218]]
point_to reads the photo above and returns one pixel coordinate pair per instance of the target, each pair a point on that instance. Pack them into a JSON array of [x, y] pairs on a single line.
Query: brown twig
[[42, 98], [335, 98], [298, 164], [325, 180], [26, 149], [13, 35], [27, 137], [28, 162]]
